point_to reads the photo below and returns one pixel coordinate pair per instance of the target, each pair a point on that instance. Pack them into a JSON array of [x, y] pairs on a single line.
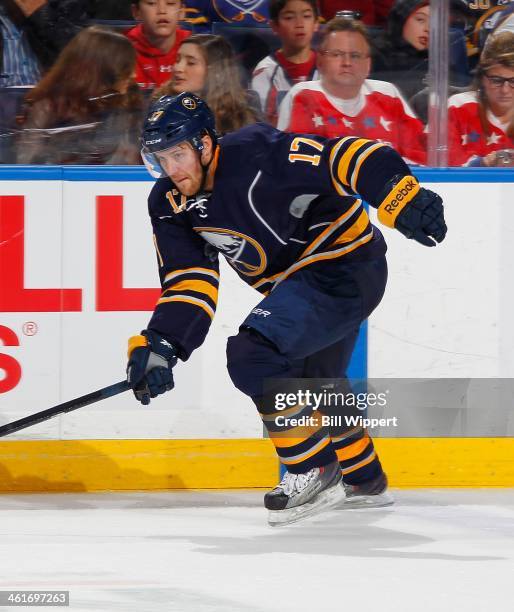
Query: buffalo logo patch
[[189, 103]]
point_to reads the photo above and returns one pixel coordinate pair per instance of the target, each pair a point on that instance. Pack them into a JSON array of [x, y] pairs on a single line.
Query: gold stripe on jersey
[[355, 230], [199, 286], [190, 300], [335, 150], [281, 276], [346, 159], [360, 160], [331, 228], [323, 256], [161, 263], [361, 464], [205, 271]]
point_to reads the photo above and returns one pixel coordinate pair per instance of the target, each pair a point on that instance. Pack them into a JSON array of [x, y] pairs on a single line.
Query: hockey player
[[283, 210]]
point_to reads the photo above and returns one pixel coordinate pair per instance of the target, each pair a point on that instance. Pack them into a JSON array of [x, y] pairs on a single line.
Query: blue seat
[[458, 58]]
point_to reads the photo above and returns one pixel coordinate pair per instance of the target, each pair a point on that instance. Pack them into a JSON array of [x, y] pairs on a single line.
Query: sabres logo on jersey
[[189, 103], [243, 253], [243, 12]]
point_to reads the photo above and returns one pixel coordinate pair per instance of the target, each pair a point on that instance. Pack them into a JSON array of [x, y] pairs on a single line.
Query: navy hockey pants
[[307, 328]]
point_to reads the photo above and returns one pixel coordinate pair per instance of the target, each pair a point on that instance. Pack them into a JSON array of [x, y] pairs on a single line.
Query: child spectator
[[206, 66], [401, 54], [481, 122], [87, 109], [294, 22], [156, 40], [345, 102]]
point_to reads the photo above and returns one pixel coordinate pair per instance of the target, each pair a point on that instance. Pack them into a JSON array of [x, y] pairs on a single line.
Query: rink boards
[[78, 277]]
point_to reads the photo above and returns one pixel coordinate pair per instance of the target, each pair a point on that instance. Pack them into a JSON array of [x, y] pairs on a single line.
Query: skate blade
[[324, 500], [367, 501]]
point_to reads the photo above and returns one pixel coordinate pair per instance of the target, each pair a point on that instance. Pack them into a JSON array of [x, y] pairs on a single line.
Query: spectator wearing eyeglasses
[[481, 121], [344, 102]]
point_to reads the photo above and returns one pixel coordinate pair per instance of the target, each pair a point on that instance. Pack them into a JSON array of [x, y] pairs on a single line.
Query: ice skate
[[301, 495], [370, 494]]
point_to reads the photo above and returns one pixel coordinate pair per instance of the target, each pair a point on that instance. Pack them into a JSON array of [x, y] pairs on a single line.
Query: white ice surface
[[435, 550]]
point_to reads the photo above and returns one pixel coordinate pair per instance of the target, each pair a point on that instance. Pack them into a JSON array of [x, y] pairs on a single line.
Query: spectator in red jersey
[[207, 67], [345, 102], [373, 12], [294, 22], [481, 122], [156, 40]]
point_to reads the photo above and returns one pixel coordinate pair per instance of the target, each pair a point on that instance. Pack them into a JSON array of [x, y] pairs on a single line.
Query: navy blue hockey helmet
[[172, 120]]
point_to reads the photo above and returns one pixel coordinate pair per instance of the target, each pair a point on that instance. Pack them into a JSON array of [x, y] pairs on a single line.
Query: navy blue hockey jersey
[[280, 202]]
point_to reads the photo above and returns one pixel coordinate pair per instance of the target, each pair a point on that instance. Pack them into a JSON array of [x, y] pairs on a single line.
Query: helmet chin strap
[[205, 171]]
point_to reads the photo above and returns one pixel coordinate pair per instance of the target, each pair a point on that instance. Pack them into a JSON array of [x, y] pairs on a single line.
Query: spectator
[[373, 12], [501, 20], [481, 122], [346, 102], [32, 33], [401, 53], [294, 22], [156, 39], [206, 66], [86, 110]]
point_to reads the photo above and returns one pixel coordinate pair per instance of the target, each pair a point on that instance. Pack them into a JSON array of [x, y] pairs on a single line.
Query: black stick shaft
[[68, 406]]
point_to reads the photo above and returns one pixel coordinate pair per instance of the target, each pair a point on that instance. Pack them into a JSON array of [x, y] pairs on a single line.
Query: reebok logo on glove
[[397, 199], [399, 196]]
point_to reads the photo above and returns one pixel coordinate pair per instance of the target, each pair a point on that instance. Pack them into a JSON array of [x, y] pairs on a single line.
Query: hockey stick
[[68, 406]]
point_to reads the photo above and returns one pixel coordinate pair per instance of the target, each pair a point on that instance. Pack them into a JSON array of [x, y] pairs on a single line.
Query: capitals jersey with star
[[378, 112], [274, 76], [280, 202], [466, 137]]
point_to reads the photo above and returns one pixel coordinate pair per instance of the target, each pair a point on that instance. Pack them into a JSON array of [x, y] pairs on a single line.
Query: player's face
[[499, 93], [296, 25], [159, 17], [344, 61], [416, 30], [182, 164], [190, 70]]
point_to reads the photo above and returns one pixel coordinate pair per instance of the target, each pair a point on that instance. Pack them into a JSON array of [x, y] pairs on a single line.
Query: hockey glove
[[414, 211], [150, 365]]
